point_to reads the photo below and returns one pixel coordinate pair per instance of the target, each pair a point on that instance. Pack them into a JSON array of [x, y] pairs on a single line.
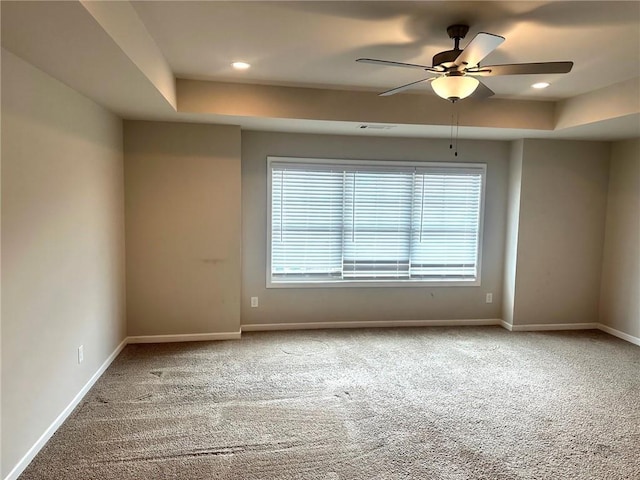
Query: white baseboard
[[571, 326], [48, 433], [260, 327], [540, 327], [619, 334], [506, 325], [189, 337]]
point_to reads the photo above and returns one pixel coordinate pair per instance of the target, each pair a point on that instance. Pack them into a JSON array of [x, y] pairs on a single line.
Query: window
[[341, 222]]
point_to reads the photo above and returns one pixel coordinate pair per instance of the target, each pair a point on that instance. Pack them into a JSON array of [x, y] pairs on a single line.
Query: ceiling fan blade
[[393, 91], [388, 63], [522, 69], [482, 92], [481, 46]]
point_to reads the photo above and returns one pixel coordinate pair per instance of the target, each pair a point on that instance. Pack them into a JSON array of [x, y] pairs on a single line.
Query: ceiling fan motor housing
[[446, 59]]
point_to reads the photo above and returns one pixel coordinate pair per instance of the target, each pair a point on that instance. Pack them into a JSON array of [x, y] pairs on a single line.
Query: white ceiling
[[125, 55], [316, 43]]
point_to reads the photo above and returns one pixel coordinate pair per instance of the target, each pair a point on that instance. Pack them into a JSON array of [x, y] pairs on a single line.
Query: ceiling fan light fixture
[[454, 87]]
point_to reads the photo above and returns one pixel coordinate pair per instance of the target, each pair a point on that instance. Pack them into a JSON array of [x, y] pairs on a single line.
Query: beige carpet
[[435, 403]]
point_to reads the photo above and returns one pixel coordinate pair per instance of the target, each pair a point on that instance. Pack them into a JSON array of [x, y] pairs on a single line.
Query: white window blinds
[[376, 224], [306, 223], [355, 221]]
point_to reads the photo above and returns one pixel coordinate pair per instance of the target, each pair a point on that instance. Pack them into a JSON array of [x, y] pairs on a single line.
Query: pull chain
[[457, 130], [451, 134], [454, 116]]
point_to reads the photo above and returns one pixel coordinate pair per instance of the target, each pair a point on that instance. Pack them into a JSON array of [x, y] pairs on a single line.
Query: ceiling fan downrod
[[448, 57], [457, 32]]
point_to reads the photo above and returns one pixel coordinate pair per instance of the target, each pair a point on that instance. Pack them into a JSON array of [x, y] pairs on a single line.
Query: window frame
[[378, 164]]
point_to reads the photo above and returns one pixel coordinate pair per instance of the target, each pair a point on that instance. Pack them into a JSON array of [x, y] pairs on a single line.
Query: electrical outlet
[[80, 354], [489, 298], [254, 302]]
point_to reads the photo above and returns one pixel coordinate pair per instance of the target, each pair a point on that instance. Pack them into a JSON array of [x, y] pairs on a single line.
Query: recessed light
[[240, 65], [540, 85]]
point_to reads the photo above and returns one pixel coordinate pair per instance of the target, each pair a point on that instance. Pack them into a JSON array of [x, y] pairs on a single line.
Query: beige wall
[[561, 231], [270, 101], [620, 290], [62, 249], [303, 305], [613, 101], [182, 195]]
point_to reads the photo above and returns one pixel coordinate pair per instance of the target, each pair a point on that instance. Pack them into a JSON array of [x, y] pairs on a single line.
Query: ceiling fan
[[455, 70]]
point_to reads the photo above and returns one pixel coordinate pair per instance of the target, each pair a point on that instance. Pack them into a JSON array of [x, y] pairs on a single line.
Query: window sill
[[374, 284]]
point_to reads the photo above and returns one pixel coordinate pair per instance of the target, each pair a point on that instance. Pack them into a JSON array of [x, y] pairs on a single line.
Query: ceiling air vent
[[376, 127]]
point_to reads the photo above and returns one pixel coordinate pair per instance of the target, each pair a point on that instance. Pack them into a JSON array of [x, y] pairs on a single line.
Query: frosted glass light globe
[[454, 88]]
